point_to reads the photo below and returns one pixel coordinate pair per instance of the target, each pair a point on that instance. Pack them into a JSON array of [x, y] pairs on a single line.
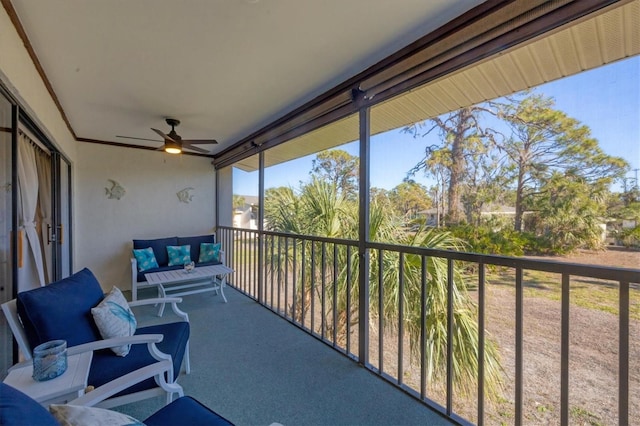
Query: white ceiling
[[225, 68]]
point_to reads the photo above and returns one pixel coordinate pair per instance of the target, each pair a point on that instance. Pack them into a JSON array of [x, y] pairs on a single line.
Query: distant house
[[246, 216], [431, 216], [497, 211]]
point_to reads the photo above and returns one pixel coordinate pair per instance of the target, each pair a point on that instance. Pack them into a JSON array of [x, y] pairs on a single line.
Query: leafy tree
[[238, 201], [339, 168], [544, 141], [379, 195], [568, 212], [409, 197], [625, 207], [486, 182], [464, 141]]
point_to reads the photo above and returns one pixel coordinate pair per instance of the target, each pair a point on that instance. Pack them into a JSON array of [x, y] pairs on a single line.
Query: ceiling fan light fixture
[[172, 147]]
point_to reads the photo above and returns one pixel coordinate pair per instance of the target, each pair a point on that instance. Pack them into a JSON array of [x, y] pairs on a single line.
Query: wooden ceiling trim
[[148, 148]]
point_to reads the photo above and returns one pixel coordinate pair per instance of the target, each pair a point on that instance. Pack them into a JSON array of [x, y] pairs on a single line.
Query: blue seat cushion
[[141, 277], [195, 242], [106, 366], [159, 247], [61, 310], [186, 411], [17, 408]]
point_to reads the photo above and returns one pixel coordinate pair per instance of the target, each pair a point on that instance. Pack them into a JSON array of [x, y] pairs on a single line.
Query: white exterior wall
[[149, 209]]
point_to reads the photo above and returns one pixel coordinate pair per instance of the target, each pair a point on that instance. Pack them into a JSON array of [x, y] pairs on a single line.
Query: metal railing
[[313, 282]]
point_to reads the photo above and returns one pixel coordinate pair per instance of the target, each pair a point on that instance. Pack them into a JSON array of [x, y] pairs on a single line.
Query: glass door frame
[[61, 229], [60, 226]]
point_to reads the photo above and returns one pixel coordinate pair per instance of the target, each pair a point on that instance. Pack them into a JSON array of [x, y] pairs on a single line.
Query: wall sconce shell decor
[[184, 195], [116, 191]]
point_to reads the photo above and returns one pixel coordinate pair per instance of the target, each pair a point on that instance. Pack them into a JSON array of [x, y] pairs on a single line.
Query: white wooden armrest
[[156, 300], [149, 339], [156, 370], [172, 300]]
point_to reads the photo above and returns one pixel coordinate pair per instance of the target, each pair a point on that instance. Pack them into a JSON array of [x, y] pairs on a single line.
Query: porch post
[[363, 230], [261, 297]]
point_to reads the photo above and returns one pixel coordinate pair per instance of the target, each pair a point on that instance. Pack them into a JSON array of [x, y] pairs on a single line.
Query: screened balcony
[[475, 338], [314, 284], [481, 338]]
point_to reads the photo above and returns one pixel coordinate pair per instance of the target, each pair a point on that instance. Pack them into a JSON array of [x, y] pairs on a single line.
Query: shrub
[[630, 237]]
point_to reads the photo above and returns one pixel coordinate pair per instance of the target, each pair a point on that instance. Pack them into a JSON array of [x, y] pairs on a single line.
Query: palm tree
[[465, 327], [320, 210]]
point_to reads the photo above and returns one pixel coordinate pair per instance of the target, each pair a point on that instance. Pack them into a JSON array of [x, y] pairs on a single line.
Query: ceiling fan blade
[[194, 148], [140, 139], [200, 141], [162, 134]]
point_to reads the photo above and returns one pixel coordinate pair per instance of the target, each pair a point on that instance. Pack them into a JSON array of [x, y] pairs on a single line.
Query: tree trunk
[[519, 196], [454, 212]]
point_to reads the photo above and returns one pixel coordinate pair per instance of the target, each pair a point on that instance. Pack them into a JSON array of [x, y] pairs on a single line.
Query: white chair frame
[[162, 370]]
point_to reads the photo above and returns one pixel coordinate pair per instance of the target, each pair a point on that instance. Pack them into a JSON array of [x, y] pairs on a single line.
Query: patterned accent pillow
[[114, 318], [77, 415], [209, 252], [146, 259], [179, 255]]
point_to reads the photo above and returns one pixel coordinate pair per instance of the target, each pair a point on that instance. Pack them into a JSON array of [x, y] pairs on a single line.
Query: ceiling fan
[[173, 142]]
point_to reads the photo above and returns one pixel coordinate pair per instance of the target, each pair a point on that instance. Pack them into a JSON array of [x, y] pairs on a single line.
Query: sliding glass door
[[6, 227], [35, 212], [62, 218]]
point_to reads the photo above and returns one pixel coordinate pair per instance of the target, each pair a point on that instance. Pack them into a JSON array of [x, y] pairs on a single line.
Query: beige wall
[[103, 228], [150, 207], [18, 72]]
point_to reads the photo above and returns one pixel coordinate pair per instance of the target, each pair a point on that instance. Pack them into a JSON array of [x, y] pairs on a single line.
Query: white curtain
[[28, 188], [43, 164]]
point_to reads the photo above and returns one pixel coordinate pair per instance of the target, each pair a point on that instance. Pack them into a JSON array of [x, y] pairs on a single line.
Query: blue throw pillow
[[209, 252], [159, 246], [194, 242], [146, 259], [179, 255]]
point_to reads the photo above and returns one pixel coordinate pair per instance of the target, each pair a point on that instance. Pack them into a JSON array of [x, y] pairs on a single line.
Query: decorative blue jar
[[49, 360]]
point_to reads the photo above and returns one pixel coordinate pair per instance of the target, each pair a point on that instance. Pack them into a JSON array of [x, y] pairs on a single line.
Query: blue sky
[[607, 99]]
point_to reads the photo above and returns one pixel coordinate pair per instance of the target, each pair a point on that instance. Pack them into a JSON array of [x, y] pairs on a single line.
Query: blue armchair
[[62, 310]]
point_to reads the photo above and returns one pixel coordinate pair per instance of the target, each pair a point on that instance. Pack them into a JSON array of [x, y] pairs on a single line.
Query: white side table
[[64, 388]]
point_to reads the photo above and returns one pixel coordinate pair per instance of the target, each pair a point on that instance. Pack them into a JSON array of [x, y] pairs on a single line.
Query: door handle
[[50, 236], [61, 234]]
